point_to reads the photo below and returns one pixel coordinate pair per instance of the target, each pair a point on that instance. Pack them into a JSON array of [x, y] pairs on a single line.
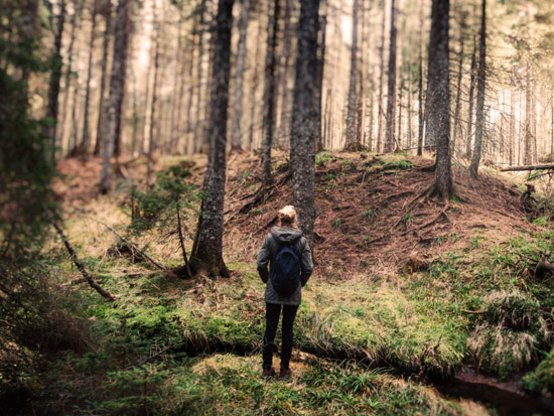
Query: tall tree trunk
[[528, 158], [420, 118], [410, 93], [86, 122], [457, 129], [269, 91], [117, 90], [284, 121], [236, 141], [100, 126], [381, 80], [154, 122], [512, 129], [351, 142], [306, 110], [199, 121], [438, 97], [55, 78], [471, 99], [391, 91], [190, 149], [481, 85], [69, 73], [420, 114], [400, 97], [322, 30], [178, 83], [252, 98], [207, 251]]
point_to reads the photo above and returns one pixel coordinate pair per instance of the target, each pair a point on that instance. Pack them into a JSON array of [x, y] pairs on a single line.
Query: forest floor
[[407, 294]]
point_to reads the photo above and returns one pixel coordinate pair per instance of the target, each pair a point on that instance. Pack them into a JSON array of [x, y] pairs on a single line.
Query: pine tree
[[304, 130], [207, 251]]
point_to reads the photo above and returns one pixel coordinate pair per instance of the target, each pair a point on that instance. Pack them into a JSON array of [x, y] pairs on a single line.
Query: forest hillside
[[410, 297], [402, 149]]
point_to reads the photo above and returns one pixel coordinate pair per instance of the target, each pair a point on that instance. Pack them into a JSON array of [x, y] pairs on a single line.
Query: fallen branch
[[90, 280], [527, 167], [134, 247]]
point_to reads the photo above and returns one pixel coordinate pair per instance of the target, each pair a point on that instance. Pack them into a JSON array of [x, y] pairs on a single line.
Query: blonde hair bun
[[287, 216]]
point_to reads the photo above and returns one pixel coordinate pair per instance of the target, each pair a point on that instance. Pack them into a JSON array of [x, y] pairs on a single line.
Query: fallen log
[[527, 167]]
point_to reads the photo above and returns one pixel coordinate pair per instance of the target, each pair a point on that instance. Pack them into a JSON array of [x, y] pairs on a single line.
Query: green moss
[[541, 379]]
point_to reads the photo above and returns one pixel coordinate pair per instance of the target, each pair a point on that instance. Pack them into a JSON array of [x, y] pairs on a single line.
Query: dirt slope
[[370, 210]]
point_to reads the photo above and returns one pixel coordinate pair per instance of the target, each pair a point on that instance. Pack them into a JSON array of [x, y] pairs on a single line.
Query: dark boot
[[285, 374], [268, 372], [267, 355]]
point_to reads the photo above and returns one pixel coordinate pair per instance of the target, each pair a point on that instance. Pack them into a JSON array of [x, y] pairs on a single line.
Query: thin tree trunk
[[236, 141], [472, 83], [154, 129], [381, 81], [269, 91], [207, 252], [190, 149], [86, 127], [457, 129], [481, 85], [100, 128], [117, 90], [55, 78], [252, 98], [391, 91], [304, 130], [410, 93], [322, 30], [176, 97], [512, 129], [77, 7], [284, 122], [420, 115], [439, 97], [351, 142], [199, 122]]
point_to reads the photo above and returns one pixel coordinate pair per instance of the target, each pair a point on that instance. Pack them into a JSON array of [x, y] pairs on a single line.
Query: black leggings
[[272, 313]]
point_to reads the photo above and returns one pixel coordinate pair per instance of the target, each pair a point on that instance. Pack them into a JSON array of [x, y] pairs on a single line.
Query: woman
[[288, 255]]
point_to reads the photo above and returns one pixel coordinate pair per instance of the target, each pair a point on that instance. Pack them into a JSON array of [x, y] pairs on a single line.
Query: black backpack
[[285, 269]]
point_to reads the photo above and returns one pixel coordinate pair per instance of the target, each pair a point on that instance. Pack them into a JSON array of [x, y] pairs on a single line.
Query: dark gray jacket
[[268, 251]]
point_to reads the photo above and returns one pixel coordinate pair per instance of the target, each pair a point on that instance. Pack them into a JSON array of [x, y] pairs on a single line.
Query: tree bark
[[77, 8], [207, 252], [438, 97], [304, 129], [420, 117], [100, 128], [391, 88], [252, 98], [481, 85], [471, 99], [269, 92], [381, 81], [199, 122], [153, 134], [55, 78], [117, 90], [351, 139], [457, 129], [284, 120], [85, 141], [236, 141]]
